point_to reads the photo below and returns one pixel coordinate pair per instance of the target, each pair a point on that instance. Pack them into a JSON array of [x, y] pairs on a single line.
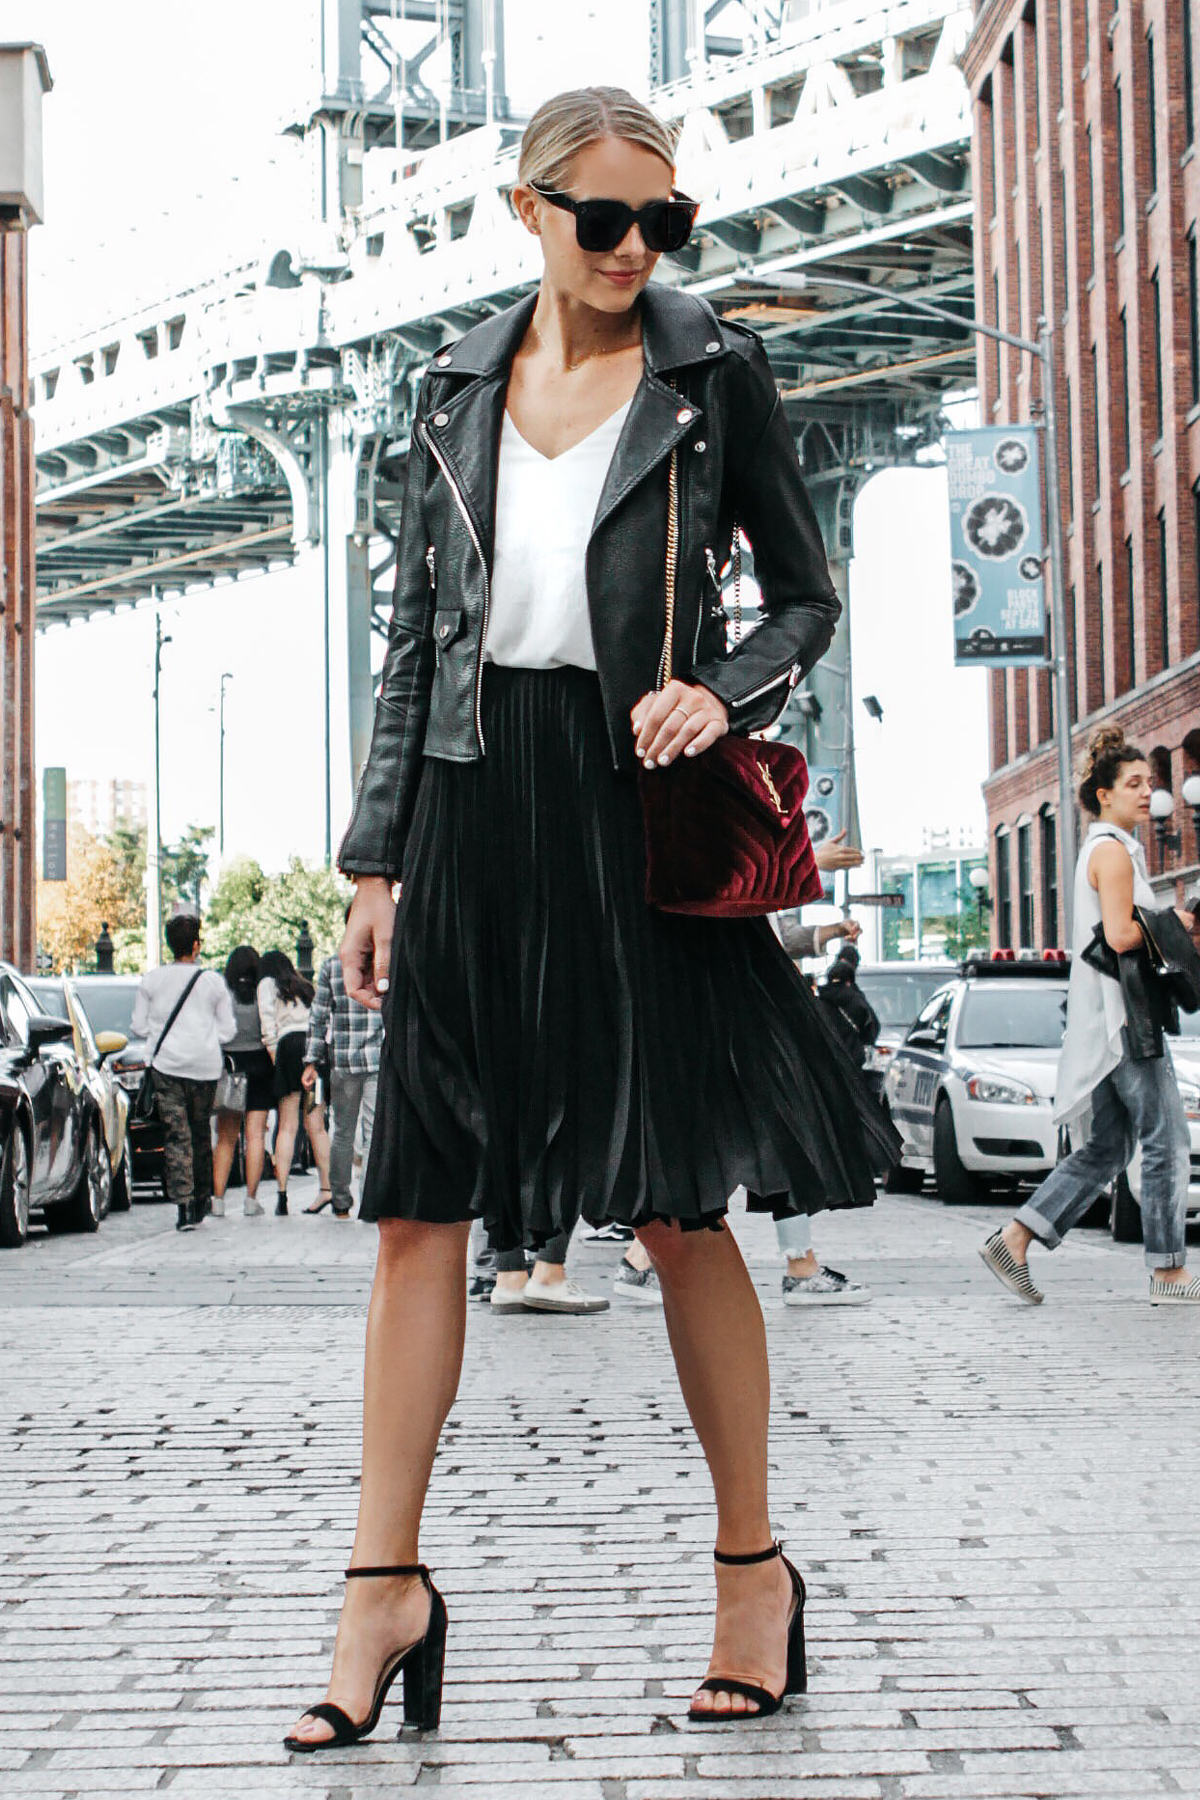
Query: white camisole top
[[544, 511]]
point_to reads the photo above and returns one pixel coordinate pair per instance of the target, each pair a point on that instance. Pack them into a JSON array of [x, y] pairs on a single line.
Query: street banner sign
[[874, 899], [54, 824], [823, 812], [996, 551]]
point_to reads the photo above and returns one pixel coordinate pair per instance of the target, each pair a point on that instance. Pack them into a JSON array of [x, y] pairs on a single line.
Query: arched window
[[1004, 912], [1049, 831]]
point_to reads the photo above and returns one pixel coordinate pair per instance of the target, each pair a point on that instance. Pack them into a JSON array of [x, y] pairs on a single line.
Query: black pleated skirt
[[554, 1046]]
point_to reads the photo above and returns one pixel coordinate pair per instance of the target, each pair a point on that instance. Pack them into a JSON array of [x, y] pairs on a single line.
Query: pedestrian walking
[[1116, 1082], [343, 1037], [284, 998], [187, 1013], [841, 993], [546, 1287], [552, 1042], [247, 1056]]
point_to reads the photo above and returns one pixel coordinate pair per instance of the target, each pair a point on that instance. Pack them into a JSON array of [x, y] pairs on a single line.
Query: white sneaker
[[507, 1299], [216, 1206], [252, 1210], [564, 1296]]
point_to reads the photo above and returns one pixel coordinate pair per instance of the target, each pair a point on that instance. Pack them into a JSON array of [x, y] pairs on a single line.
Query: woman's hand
[[838, 854], [308, 1076], [366, 950], [681, 720]]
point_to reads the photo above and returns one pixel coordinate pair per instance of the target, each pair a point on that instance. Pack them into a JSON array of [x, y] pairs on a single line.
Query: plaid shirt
[[352, 1032]]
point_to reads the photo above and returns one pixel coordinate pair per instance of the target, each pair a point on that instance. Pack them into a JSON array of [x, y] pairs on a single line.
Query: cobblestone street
[[992, 1504]]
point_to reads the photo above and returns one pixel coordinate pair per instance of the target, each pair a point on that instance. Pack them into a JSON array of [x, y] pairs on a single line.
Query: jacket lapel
[[657, 420]]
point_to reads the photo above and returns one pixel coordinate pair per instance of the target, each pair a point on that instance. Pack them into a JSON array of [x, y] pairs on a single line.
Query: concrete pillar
[[347, 526]]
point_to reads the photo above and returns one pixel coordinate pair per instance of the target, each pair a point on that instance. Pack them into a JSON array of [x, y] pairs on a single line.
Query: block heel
[[422, 1665], [796, 1680]]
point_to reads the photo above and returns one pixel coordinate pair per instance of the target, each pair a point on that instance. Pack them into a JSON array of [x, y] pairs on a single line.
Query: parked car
[[897, 991], [53, 1155], [108, 1001], [59, 998], [971, 1087]]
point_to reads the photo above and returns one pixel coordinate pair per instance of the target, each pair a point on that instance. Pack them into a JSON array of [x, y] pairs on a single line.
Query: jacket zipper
[[431, 565], [487, 580], [711, 563], [755, 693]]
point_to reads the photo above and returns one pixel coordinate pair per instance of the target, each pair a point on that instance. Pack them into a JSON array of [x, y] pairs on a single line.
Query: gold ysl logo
[[765, 771]]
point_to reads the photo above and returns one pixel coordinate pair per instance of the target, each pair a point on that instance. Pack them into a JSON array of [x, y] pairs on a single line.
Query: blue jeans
[[1138, 1102]]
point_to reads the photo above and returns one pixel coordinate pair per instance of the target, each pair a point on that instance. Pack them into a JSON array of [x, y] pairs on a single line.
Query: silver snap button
[[712, 348], [443, 359], [685, 415], [441, 418], [700, 444]]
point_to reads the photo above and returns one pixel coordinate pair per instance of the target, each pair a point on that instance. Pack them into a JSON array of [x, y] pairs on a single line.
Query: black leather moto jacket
[[707, 388]]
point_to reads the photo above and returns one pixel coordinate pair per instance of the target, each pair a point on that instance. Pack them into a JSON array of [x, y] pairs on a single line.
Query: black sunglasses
[[600, 225]]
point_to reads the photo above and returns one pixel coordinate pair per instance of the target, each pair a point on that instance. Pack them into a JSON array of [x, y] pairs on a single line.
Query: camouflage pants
[[185, 1110]]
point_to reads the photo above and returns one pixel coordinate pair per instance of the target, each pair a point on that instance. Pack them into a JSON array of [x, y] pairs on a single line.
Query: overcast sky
[[163, 161]]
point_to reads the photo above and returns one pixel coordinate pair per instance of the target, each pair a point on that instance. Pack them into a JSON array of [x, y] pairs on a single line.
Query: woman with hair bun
[[552, 1044], [1108, 1096]]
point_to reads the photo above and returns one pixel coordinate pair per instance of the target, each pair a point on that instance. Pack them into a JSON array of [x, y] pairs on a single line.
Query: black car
[[108, 1001], [53, 1156]]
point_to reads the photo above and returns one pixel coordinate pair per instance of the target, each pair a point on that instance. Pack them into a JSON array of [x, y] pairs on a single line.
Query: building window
[[1189, 96], [1025, 924], [1152, 113], [1096, 414], [1132, 631], [1120, 133], [1125, 384], [1193, 314], [1156, 302], [1049, 826], [1004, 919], [1164, 610], [1102, 632]]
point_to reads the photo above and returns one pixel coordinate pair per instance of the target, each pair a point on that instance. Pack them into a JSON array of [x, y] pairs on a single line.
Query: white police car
[[971, 1087]]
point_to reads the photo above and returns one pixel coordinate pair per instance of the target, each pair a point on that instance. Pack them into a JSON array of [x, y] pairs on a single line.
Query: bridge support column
[[346, 525], [831, 737]]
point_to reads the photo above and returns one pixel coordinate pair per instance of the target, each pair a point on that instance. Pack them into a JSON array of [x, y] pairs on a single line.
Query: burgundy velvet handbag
[[726, 836]]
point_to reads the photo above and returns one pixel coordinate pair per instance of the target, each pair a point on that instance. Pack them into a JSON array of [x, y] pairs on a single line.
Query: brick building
[[1087, 200]]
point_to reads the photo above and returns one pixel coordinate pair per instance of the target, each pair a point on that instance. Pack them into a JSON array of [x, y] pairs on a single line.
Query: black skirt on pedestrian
[[259, 1070], [554, 1046], [289, 1063]]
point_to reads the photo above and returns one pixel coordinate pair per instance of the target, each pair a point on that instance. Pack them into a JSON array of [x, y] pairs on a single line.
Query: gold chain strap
[[666, 664]]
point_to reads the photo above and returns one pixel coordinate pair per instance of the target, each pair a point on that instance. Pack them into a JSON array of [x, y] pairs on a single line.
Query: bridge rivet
[[700, 444], [443, 359], [441, 418], [685, 415], [712, 348]]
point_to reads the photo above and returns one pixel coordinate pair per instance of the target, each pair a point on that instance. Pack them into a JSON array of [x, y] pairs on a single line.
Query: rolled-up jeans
[[351, 1092], [1138, 1102]]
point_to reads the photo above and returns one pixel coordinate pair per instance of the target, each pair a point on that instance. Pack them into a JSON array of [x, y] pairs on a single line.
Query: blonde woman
[[551, 1043]]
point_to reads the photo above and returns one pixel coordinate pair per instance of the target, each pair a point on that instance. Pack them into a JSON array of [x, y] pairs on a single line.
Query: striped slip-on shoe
[[1174, 1293], [1005, 1267]]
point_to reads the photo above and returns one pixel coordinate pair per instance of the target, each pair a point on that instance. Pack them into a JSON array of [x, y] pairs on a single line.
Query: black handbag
[[145, 1101]]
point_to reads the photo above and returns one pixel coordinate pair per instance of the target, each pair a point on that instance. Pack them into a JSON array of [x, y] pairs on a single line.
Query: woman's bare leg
[[415, 1330], [715, 1325], [227, 1136], [256, 1133], [287, 1118], [318, 1137]]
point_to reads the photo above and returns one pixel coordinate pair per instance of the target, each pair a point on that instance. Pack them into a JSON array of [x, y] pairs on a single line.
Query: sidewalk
[[993, 1506]]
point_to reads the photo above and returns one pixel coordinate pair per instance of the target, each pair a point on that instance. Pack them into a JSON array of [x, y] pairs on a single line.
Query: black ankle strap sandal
[[797, 1669], [423, 1664]]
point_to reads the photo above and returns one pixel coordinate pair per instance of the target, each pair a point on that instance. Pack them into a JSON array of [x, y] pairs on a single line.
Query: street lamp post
[[1162, 807], [1191, 799], [799, 281], [221, 797], [978, 879], [154, 834]]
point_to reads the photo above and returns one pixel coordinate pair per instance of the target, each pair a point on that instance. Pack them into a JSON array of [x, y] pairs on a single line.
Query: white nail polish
[[382, 984], [649, 762]]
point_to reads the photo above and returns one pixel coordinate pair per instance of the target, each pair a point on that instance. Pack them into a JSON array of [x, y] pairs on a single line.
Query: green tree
[[185, 867], [249, 907], [963, 931]]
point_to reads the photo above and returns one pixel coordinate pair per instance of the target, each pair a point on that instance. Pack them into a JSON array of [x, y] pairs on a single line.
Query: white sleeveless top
[[545, 506], [1092, 1045]]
